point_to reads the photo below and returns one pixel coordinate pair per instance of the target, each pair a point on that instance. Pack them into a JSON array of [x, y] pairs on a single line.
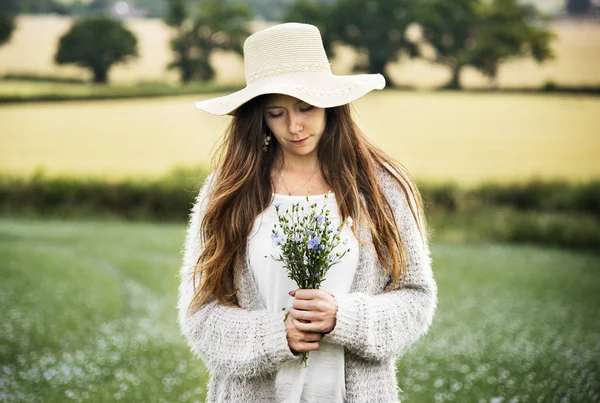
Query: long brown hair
[[243, 189]]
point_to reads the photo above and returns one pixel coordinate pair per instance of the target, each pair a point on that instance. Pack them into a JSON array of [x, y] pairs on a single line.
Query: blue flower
[[277, 238], [345, 241], [320, 218], [276, 204], [297, 238], [308, 232], [313, 243]]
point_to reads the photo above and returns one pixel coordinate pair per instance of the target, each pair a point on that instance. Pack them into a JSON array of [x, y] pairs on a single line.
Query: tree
[[7, 27], [33, 6], [182, 45], [376, 29], [483, 34], [216, 24], [9, 7], [317, 14], [449, 26], [579, 7], [509, 30], [97, 44]]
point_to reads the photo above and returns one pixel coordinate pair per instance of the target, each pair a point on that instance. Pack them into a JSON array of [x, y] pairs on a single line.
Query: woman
[[292, 131]]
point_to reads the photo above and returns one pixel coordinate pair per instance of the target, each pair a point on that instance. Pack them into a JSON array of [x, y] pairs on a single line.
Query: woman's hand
[[315, 310], [299, 341]]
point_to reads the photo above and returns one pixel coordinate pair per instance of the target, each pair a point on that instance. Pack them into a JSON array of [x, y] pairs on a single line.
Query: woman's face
[[296, 125]]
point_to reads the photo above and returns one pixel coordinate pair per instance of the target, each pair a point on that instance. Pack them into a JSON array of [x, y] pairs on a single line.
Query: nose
[[295, 123]]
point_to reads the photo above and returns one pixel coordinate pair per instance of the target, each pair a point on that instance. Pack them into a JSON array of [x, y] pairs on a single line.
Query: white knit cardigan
[[244, 347]]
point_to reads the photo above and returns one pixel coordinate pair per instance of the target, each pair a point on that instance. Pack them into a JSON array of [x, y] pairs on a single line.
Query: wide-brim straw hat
[[290, 59]]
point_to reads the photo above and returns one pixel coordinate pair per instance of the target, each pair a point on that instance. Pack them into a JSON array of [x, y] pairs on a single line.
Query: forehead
[[281, 100]]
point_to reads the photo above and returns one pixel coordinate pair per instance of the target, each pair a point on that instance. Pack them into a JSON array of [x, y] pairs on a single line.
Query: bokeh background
[[493, 107]]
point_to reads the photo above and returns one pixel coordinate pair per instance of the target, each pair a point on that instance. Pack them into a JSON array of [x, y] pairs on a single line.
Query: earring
[[266, 143]]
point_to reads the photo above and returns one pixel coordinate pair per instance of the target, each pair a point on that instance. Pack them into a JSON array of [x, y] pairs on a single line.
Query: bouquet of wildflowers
[[307, 240]]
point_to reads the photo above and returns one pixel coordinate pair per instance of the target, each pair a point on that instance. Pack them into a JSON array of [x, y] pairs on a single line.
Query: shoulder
[[210, 180], [207, 185], [395, 182], [203, 196], [400, 191]]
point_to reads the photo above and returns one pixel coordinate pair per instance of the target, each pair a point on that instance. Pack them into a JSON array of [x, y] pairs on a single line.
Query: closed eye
[[275, 116], [308, 108]]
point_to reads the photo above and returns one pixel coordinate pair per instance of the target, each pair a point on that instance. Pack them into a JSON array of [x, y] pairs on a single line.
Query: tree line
[[482, 34], [270, 10], [477, 33]]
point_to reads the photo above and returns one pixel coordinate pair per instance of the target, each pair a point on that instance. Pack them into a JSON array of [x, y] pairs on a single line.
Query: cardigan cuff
[[348, 319], [276, 346]]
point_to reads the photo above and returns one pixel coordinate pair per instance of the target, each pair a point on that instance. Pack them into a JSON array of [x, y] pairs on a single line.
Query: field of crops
[[34, 43], [89, 315], [461, 137]]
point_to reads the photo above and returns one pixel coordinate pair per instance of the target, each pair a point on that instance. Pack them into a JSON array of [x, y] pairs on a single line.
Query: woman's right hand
[[299, 341]]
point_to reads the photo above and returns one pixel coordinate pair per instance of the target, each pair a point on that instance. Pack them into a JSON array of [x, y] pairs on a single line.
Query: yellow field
[[465, 138], [35, 40]]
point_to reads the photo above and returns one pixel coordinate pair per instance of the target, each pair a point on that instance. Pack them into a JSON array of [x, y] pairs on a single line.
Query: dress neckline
[[310, 197]]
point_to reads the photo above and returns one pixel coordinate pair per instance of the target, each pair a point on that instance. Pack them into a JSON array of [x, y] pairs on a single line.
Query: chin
[[304, 151]]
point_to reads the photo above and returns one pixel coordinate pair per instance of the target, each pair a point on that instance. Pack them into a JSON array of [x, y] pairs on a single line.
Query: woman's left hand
[[315, 310]]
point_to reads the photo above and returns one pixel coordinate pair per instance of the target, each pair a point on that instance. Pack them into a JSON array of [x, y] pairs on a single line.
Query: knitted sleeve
[[230, 341], [380, 326]]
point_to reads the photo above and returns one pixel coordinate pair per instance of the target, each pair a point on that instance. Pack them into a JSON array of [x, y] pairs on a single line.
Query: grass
[[89, 314], [515, 324], [18, 91]]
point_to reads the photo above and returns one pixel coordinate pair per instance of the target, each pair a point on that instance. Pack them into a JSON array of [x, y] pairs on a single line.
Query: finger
[[312, 336], [308, 336], [307, 293], [313, 327], [313, 346], [291, 322], [304, 346], [296, 337], [305, 315], [304, 304]]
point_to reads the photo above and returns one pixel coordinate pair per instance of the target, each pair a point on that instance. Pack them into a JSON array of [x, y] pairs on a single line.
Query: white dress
[[323, 380]]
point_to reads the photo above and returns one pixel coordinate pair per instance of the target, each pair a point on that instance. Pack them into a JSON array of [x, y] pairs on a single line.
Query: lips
[[299, 141]]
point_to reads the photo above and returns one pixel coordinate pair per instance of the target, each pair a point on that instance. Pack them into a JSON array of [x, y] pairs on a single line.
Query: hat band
[[287, 68]]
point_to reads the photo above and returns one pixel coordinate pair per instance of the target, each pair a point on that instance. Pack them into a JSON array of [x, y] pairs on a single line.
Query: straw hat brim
[[324, 90]]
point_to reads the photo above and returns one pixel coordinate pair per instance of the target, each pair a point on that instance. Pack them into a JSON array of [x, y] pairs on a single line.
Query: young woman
[[292, 131]]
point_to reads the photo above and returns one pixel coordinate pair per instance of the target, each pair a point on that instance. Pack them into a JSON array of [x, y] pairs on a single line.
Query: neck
[[297, 163]]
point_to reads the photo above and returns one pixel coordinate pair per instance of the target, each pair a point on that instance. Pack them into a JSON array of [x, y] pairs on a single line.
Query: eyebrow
[[277, 106]]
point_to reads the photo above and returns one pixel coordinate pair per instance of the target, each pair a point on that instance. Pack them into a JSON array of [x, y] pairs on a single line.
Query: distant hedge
[[553, 213], [166, 199], [535, 195]]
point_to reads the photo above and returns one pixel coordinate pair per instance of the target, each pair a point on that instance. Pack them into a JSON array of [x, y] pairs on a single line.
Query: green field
[[44, 89], [438, 136], [89, 314]]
